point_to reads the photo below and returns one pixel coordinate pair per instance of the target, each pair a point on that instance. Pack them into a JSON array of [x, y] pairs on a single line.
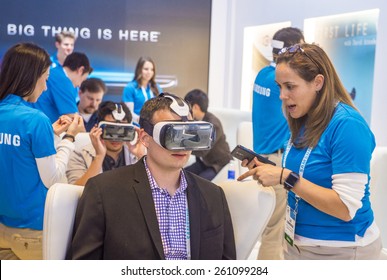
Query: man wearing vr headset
[[110, 147], [154, 209]]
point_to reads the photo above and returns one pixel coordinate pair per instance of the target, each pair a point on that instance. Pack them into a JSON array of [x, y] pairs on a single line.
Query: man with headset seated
[[154, 209], [110, 147]]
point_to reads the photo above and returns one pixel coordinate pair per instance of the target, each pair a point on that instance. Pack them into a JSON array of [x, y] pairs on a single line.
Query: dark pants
[[199, 168]]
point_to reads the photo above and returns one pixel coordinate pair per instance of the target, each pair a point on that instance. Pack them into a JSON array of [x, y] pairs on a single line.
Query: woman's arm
[[52, 169], [342, 201]]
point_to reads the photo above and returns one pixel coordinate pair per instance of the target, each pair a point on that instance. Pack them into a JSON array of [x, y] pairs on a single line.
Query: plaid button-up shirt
[[172, 215]]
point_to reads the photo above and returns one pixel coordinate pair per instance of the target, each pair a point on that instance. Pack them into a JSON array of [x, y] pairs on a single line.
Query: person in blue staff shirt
[[64, 43], [29, 163], [326, 164], [142, 87], [59, 98]]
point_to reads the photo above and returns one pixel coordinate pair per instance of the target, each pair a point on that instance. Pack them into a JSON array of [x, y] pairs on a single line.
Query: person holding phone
[[326, 164], [102, 154]]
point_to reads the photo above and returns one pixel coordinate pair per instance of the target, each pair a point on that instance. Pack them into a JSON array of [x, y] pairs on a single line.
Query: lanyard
[[304, 159], [302, 165], [187, 231], [145, 93], [291, 214]]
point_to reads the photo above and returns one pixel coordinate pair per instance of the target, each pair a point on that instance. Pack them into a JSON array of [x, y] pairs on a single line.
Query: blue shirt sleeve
[[128, 93], [62, 92], [352, 146]]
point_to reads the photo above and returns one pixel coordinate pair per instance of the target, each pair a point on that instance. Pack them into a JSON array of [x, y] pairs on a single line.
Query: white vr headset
[[117, 131], [181, 135]]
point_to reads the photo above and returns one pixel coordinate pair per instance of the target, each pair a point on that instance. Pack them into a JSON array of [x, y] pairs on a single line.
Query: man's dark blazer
[[116, 219]]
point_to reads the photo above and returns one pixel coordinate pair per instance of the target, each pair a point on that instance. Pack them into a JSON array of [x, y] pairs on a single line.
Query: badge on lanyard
[[290, 225], [291, 214]]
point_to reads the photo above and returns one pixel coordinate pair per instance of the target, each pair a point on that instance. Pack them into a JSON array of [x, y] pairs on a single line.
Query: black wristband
[[282, 172], [69, 136]]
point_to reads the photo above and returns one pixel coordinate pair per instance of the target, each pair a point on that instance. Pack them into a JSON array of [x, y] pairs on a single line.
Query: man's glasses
[[297, 49]]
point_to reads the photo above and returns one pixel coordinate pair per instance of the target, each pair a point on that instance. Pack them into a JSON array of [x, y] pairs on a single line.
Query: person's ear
[[319, 82], [81, 70], [144, 137]]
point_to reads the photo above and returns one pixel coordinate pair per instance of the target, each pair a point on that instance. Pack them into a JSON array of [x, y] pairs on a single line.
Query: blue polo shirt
[[25, 134], [59, 98], [55, 61], [270, 128], [345, 146], [133, 93]]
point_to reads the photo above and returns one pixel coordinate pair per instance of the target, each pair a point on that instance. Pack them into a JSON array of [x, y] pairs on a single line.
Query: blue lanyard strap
[[302, 166], [304, 159]]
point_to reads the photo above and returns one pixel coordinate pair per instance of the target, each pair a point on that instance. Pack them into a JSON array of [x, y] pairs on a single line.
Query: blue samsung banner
[[350, 41], [114, 34]]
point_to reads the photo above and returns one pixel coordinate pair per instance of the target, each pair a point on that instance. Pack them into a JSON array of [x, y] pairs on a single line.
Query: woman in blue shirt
[[326, 164], [142, 87], [29, 164]]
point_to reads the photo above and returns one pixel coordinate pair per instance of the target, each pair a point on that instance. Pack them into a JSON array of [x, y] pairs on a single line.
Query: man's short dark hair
[[76, 60], [93, 85], [289, 36], [152, 105], [107, 107], [198, 97]]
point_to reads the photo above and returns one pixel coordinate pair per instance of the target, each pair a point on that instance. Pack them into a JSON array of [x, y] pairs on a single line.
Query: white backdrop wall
[[230, 17]]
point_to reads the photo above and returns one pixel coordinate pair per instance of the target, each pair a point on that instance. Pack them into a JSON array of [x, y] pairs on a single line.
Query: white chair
[[59, 212], [378, 192], [245, 134], [230, 119], [244, 138], [251, 206], [223, 173]]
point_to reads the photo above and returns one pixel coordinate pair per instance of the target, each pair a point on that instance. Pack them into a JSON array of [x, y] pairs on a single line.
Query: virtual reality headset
[[181, 135], [117, 131]]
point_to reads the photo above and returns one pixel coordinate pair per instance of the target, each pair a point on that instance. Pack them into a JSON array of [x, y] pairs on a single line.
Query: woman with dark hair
[[29, 164], [326, 163], [142, 87]]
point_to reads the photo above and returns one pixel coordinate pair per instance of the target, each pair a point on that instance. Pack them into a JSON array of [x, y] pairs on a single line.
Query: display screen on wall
[[350, 41], [114, 34]]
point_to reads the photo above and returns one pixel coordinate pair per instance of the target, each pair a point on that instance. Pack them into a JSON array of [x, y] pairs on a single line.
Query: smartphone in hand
[[243, 153]]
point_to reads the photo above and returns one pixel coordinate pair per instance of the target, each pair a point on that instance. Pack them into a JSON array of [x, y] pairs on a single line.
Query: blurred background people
[[91, 93], [270, 133], [29, 163], [64, 42], [103, 155], [59, 98], [209, 162], [142, 87]]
